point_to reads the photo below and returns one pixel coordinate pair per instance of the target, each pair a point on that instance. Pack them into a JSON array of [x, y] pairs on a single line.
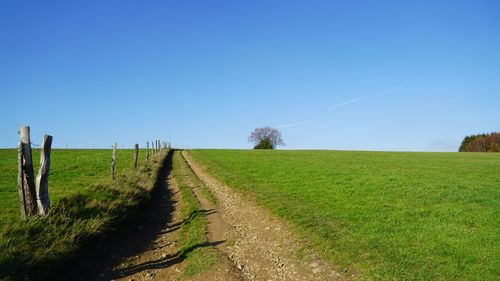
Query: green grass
[[86, 203], [194, 248], [72, 171], [379, 215]]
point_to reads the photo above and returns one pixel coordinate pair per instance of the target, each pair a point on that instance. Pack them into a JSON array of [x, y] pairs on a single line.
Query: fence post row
[[113, 162], [42, 179], [136, 155], [25, 176], [33, 192]]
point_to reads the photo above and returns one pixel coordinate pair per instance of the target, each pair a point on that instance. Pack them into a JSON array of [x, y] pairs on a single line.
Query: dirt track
[[261, 246], [157, 257], [251, 242]]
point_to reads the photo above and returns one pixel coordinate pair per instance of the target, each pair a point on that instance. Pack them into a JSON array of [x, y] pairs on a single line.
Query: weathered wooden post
[[25, 176], [153, 148], [42, 179], [113, 162], [136, 155], [147, 150]]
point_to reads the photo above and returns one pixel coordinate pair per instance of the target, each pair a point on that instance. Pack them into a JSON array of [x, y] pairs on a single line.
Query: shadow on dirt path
[[131, 238], [172, 253], [163, 262]]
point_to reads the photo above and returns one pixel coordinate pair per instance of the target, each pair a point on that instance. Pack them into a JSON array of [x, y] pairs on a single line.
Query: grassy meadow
[[85, 204], [379, 215], [72, 171]]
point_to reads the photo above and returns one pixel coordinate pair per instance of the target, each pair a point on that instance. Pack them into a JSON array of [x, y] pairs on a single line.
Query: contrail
[[393, 89], [385, 92], [296, 124], [346, 103]]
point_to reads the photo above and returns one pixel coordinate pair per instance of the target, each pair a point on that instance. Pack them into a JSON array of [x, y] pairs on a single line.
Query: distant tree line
[[481, 143]]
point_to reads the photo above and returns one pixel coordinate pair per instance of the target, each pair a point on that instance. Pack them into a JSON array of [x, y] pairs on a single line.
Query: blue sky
[[358, 75]]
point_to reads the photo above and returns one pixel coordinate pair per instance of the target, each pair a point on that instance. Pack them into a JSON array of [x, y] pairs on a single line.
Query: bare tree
[[266, 138]]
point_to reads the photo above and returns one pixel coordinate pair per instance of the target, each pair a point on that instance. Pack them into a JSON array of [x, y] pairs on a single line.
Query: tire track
[[260, 245]]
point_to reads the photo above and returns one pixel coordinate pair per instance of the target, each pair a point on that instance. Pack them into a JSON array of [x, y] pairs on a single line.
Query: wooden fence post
[[25, 176], [136, 155], [113, 162], [153, 148], [147, 150], [42, 179]]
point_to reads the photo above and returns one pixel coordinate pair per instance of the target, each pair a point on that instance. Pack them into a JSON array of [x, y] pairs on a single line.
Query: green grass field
[[72, 171], [379, 215], [85, 204]]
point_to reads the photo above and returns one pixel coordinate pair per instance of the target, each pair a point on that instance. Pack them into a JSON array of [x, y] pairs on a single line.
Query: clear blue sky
[[361, 75]]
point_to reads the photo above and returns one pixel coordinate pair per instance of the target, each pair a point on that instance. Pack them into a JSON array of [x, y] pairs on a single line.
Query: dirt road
[[261, 246], [251, 244], [160, 256]]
